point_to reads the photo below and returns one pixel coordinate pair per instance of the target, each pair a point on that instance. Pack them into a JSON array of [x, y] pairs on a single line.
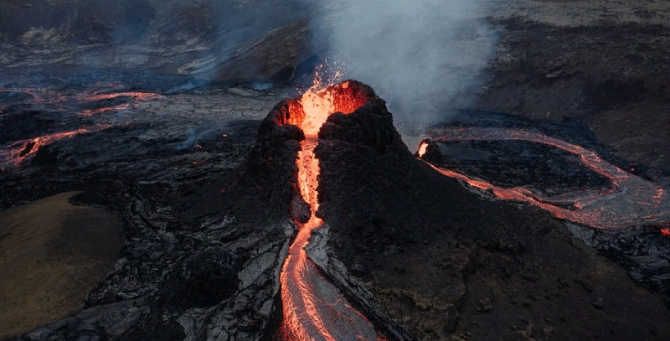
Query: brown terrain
[[52, 254]]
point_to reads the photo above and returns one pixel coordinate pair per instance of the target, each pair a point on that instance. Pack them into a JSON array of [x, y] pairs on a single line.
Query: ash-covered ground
[[153, 111]]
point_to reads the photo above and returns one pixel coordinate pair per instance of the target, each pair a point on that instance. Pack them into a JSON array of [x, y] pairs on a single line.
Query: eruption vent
[[311, 110]]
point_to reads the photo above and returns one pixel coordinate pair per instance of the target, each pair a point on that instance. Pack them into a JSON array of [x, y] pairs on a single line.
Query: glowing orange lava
[[629, 201], [422, 149], [665, 232], [136, 95], [19, 151], [91, 112], [313, 308], [54, 97]]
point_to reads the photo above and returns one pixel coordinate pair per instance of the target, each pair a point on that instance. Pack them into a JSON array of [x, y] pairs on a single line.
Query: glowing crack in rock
[[629, 201]]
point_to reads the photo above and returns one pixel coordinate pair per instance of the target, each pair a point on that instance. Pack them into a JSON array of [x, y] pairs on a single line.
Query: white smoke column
[[422, 56]]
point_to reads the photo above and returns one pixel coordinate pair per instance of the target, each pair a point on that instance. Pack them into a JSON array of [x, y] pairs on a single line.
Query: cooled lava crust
[[440, 259]]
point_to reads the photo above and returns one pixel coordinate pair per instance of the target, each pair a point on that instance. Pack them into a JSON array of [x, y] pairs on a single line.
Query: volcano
[[317, 222]]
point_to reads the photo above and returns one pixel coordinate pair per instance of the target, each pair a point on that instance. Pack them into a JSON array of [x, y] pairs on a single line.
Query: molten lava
[[19, 151], [62, 100], [91, 112], [629, 201], [136, 95], [422, 149], [313, 308]]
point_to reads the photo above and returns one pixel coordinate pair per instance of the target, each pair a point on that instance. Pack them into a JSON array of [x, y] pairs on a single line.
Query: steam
[[261, 85], [237, 23], [191, 84], [422, 56], [196, 134]]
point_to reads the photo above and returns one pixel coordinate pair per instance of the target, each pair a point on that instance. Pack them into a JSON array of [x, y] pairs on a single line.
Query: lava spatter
[[313, 308]]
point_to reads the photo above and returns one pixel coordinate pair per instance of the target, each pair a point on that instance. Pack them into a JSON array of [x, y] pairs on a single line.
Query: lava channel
[[630, 201], [313, 308]]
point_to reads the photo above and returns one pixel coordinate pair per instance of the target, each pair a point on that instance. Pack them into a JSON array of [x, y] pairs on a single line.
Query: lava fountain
[[628, 201], [313, 308]]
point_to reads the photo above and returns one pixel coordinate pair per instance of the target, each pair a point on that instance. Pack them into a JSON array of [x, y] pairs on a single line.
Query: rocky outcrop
[[431, 154], [318, 251], [365, 146]]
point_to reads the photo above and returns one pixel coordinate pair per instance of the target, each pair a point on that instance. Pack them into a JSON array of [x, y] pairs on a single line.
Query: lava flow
[[19, 151], [61, 100], [313, 308], [630, 201], [135, 95]]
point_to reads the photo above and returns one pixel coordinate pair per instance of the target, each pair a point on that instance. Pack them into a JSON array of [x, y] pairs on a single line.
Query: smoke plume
[[422, 56]]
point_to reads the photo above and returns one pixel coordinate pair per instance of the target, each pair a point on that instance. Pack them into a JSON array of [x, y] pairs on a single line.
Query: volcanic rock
[[432, 152], [388, 210], [45, 155], [203, 244], [206, 208], [370, 125], [207, 278]]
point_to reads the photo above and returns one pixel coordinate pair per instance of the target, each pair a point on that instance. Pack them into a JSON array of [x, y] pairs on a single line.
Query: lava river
[[629, 201], [16, 152], [313, 308]]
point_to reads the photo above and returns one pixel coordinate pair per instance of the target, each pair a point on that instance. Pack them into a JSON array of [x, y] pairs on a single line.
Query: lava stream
[[61, 100], [630, 201], [136, 95], [314, 309], [16, 152]]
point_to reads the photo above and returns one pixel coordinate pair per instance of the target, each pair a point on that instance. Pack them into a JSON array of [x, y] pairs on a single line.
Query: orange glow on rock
[[665, 232], [422, 149], [91, 112], [307, 316], [311, 110], [136, 95]]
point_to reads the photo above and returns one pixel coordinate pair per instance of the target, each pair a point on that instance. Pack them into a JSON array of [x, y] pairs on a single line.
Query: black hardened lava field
[[294, 170]]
